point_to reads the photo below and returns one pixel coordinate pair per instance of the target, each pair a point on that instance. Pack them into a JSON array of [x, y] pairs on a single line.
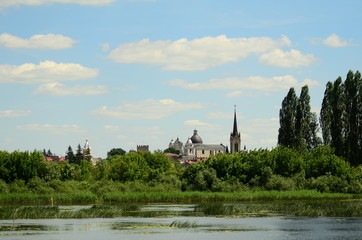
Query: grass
[[176, 196], [329, 208]]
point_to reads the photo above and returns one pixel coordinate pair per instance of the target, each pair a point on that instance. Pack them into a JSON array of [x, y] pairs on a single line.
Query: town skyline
[[123, 73]]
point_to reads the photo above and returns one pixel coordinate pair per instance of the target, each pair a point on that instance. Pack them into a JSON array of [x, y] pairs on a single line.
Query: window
[[203, 151]]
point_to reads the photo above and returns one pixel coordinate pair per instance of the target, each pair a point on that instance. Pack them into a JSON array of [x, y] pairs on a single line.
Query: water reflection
[[185, 223]]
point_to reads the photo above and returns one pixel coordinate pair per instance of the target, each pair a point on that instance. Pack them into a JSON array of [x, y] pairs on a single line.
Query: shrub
[[277, 182], [3, 187], [328, 183]]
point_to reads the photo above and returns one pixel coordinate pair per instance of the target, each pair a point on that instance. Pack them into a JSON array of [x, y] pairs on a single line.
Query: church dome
[[196, 138]]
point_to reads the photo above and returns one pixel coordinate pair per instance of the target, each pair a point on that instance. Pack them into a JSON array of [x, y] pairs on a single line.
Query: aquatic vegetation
[[182, 224]]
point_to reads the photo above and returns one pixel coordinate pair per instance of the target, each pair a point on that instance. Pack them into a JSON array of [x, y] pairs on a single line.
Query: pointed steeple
[[235, 139], [235, 128]]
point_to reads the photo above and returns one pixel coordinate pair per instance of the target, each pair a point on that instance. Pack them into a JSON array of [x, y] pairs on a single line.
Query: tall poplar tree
[[287, 118], [341, 117], [298, 125], [337, 123], [326, 115], [351, 116]]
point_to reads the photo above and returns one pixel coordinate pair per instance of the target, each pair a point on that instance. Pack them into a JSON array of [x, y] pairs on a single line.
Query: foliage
[[298, 125], [281, 168], [116, 151], [341, 117], [171, 150]]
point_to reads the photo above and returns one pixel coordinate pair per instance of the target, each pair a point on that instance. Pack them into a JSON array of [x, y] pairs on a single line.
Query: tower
[[87, 151], [235, 140]]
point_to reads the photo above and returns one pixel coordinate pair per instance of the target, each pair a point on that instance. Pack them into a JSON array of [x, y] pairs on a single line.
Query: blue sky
[[123, 73]]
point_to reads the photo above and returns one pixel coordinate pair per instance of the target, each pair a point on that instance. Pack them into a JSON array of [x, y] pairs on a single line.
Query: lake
[[180, 222]]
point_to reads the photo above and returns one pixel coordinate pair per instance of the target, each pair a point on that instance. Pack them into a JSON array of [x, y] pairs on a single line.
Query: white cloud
[[335, 41], [49, 41], [53, 129], [14, 113], [253, 82], [57, 89], [146, 109], [46, 71], [197, 54], [290, 59], [195, 123], [9, 3]]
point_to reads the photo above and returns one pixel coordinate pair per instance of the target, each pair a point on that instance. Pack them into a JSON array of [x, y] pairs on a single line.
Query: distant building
[[235, 139], [143, 148], [195, 148], [87, 151]]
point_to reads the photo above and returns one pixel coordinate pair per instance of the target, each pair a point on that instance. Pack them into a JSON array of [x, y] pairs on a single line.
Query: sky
[[123, 73]]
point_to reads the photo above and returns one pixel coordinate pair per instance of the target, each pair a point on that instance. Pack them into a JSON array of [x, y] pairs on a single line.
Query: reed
[[87, 197]]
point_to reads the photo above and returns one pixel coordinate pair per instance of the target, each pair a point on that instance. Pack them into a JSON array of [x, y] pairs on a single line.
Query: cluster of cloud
[[14, 113], [49, 41], [57, 89], [53, 129], [253, 82], [46, 71], [197, 54], [9, 3], [333, 41], [290, 59], [146, 109]]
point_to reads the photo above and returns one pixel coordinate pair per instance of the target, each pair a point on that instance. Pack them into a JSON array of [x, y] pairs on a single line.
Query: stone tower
[[235, 139]]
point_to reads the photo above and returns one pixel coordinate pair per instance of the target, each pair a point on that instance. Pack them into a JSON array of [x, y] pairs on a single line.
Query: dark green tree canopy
[[298, 125], [171, 150], [341, 117], [115, 152]]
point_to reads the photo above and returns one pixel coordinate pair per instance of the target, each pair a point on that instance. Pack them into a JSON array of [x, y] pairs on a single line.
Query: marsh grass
[[182, 224], [87, 197], [328, 208], [352, 208]]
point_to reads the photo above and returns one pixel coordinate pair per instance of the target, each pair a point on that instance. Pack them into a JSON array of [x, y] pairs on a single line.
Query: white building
[[195, 148]]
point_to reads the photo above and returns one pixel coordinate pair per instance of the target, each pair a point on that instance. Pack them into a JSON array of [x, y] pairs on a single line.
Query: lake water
[[200, 228]]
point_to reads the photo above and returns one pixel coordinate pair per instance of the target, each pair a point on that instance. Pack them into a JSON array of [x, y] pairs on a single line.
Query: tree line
[[281, 168], [340, 119]]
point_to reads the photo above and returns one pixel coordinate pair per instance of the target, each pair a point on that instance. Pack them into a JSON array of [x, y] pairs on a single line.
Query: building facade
[[195, 148]]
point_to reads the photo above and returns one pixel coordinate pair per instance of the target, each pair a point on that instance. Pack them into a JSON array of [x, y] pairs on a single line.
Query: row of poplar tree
[[340, 119]]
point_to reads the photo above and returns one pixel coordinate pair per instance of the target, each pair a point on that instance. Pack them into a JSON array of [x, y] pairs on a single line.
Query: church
[[194, 147]]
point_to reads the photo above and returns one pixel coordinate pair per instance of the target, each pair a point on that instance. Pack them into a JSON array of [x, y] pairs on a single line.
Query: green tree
[[341, 117], [326, 115], [306, 125], [171, 150], [70, 157], [351, 116], [115, 152], [79, 155], [287, 120]]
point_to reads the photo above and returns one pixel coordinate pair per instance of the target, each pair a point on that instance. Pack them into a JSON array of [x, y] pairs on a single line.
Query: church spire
[[235, 140], [235, 128]]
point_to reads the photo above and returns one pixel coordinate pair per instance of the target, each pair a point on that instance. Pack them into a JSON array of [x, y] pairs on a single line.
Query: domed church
[[195, 148]]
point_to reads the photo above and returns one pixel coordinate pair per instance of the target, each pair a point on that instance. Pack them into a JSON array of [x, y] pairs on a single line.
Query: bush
[[328, 183], [3, 187], [277, 182]]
